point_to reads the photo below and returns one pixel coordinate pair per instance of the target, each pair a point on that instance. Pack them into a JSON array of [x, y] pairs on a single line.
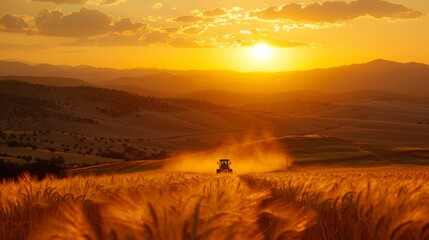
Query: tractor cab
[[224, 166]]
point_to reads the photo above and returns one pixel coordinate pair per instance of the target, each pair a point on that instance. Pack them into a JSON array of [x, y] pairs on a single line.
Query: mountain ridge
[[400, 78]]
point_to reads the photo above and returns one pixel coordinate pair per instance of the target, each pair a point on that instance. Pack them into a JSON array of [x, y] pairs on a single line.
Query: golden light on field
[[372, 203], [262, 52], [186, 35], [248, 155]]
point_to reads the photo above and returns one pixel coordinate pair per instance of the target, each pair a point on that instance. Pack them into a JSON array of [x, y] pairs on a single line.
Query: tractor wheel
[[230, 170], [217, 171]]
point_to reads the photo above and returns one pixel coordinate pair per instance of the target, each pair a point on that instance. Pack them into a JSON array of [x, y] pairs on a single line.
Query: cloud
[[144, 37], [188, 19], [90, 27], [110, 40], [189, 43], [157, 5], [84, 23], [17, 47], [15, 23], [126, 25], [214, 15], [171, 29], [215, 12], [193, 29], [94, 2], [338, 11], [155, 37], [77, 24], [274, 43]]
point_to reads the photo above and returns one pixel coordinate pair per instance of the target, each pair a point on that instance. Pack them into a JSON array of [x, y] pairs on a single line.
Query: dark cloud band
[[338, 11], [14, 23], [98, 2]]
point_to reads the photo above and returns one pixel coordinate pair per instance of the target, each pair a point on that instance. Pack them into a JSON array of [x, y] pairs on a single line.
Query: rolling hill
[[74, 82], [360, 111], [90, 124], [86, 73], [53, 81], [363, 105], [112, 113], [400, 78]]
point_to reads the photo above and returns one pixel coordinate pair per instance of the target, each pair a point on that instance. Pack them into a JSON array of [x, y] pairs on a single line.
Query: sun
[[261, 52]]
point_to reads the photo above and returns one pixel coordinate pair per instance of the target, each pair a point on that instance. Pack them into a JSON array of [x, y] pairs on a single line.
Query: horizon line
[[204, 70]]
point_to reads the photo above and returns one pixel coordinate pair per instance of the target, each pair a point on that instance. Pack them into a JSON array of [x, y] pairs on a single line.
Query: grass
[[310, 203], [384, 203]]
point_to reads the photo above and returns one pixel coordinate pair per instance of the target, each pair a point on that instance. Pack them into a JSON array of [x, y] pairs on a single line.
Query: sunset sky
[[240, 35]]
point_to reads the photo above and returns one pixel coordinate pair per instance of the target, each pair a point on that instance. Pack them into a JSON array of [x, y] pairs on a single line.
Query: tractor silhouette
[[224, 166]]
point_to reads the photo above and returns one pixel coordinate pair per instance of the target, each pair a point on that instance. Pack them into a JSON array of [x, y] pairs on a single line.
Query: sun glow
[[262, 52], [261, 57]]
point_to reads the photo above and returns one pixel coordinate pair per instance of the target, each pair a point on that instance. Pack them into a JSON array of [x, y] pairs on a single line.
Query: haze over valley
[[136, 118], [214, 120]]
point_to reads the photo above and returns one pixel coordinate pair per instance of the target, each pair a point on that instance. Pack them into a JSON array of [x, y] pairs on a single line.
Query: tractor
[[224, 166]]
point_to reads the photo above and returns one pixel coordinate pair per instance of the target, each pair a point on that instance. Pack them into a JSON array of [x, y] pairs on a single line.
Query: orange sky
[[221, 34]]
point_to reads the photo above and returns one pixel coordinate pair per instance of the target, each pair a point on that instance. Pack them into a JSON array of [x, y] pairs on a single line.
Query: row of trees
[[84, 145], [39, 168]]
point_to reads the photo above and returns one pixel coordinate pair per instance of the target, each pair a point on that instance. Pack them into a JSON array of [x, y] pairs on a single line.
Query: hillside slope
[[53, 81], [400, 78], [106, 112]]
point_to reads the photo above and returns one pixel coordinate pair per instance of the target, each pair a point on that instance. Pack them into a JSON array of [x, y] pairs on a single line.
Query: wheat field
[[310, 203]]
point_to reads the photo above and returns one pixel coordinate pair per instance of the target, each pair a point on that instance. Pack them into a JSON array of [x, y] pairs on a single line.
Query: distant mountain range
[[401, 78], [53, 81]]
